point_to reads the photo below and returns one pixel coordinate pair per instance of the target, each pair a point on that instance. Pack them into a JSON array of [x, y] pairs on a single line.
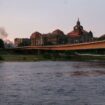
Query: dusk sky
[[20, 18]]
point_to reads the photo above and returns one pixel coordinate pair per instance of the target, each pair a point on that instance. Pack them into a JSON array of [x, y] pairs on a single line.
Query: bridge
[[68, 47]]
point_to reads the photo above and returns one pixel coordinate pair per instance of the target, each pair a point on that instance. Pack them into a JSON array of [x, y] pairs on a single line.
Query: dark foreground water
[[52, 83]]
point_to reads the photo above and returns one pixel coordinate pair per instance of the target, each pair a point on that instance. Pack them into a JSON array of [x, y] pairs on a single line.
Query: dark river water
[[52, 83]]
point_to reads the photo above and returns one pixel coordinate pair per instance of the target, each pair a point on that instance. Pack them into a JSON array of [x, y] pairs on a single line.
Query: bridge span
[[67, 47]]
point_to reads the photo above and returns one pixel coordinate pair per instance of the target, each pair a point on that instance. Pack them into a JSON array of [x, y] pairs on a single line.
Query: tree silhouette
[[1, 43]]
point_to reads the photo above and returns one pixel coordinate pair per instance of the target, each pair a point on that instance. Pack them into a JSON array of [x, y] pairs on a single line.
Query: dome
[[77, 33], [73, 34], [102, 36], [35, 34], [58, 32]]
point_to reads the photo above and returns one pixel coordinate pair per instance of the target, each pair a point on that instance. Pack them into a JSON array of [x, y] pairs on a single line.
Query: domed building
[[58, 32], [102, 37], [56, 37], [79, 35], [36, 39]]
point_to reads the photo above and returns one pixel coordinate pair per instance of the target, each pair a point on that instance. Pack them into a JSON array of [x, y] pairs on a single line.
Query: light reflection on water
[[52, 83]]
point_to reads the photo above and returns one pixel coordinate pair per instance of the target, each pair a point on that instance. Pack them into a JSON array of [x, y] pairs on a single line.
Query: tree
[[1, 43]]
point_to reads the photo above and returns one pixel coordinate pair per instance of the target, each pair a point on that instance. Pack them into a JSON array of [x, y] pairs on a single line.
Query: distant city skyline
[[21, 18]]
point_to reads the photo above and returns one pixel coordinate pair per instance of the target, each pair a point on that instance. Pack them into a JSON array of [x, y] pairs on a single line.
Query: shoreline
[[34, 58]]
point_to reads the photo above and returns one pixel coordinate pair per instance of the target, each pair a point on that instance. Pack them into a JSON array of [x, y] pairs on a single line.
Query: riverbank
[[10, 55], [32, 58], [16, 57]]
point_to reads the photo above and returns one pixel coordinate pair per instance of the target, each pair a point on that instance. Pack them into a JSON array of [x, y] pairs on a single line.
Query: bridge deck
[[79, 46]]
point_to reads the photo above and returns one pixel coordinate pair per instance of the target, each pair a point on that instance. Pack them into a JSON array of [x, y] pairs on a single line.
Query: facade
[[58, 37], [36, 39], [79, 35], [55, 38], [17, 41], [22, 42]]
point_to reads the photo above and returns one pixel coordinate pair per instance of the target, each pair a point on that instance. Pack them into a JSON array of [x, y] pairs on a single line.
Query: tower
[[78, 26], [78, 22]]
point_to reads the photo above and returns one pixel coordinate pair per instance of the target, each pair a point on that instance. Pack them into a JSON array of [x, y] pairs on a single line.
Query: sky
[[20, 18]]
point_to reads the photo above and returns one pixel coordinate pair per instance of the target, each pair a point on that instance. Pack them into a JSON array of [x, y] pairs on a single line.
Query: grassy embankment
[[10, 56], [7, 56]]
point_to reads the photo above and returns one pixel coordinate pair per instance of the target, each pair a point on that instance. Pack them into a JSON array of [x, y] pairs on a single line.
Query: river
[[52, 83]]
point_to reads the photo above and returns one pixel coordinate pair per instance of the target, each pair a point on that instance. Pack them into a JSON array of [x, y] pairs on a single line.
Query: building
[[17, 41], [22, 42], [102, 37], [58, 37], [79, 35], [36, 39], [55, 38]]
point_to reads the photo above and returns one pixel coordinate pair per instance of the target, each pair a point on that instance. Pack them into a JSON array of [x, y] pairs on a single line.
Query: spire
[[78, 26], [78, 22]]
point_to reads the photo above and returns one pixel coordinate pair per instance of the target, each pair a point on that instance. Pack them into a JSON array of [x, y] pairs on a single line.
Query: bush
[[1, 58]]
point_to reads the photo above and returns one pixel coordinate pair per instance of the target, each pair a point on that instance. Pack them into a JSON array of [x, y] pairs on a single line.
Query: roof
[[102, 36], [76, 33], [35, 34], [58, 32]]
